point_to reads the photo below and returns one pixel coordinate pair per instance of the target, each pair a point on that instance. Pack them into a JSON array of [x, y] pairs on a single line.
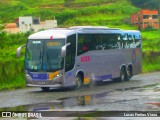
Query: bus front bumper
[[53, 86], [56, 82]]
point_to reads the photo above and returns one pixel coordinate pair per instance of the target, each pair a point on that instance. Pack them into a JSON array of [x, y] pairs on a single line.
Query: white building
[[29, 23], [50, 24], [25, 23]]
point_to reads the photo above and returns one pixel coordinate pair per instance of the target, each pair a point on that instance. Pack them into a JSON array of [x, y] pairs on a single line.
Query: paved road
[[28, 96]]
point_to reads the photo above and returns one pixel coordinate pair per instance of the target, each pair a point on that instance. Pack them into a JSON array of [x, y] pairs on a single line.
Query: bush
[[149, 28]]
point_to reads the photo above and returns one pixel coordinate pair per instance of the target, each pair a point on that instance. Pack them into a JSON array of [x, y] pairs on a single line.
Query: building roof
[[10, 25], [147, 11]]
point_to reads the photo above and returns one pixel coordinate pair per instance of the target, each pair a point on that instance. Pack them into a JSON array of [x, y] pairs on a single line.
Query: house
[[144, 18], [26, 23], [47, 24], [29, 23], [11, 28]]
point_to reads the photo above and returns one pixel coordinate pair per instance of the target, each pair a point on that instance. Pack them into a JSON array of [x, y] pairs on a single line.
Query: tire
[[45, 88], [129, 73], [123, 75], [79, 81]]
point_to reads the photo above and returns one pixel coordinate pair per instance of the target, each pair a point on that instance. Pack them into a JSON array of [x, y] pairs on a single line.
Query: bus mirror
[[19, 50], [63, 50]]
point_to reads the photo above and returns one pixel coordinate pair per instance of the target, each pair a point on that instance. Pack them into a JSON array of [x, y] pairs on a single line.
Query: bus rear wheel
[[79, 81], [123, 75], [129, 74], [45, 88]]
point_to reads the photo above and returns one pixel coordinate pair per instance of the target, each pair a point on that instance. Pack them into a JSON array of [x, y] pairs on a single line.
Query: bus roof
[[136, 33], [60, 33], [80, 27], [95, 29], [92, 29], [54, 33]]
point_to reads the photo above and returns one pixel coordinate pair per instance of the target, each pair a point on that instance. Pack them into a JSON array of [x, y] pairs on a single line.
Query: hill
[[70, 12]]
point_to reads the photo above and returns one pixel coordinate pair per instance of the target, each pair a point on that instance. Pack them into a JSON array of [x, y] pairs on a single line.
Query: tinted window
[[134, 40], [71, 52], [44, 55], [88, 42]]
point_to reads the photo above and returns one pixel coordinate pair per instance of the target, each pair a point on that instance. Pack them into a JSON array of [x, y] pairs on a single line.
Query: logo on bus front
[[85, 59], [53, 44]]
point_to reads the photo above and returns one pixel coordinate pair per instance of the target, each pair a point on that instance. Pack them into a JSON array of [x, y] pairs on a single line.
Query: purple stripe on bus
[[103, 77], [36, 76]]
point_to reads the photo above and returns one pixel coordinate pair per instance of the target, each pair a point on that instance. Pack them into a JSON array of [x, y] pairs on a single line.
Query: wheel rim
[[122, 75], [78, 82], [129, 74]]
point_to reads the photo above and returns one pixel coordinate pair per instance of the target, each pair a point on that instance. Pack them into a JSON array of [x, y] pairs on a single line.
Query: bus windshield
[[44, 55]]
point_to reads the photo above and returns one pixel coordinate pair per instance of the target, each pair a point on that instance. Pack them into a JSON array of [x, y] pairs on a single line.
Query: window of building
[[155, 16], [145, 16], [36, 21]]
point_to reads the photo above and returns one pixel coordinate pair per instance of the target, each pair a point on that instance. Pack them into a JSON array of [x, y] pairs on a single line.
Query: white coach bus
[[79, 56]]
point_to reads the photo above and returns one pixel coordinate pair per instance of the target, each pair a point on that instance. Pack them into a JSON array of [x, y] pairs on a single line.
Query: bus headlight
[[28, 77], [58, 75]]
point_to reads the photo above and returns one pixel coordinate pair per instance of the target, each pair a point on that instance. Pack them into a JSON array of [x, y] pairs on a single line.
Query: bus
[[80, 55]]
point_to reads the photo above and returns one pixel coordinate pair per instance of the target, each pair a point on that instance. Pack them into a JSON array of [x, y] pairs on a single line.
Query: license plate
[[41, 83]]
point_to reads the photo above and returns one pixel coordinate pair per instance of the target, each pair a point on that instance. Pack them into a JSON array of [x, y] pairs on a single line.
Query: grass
[[48, 9], [11, 68], [151, 40], [151, 50], [151, 67]]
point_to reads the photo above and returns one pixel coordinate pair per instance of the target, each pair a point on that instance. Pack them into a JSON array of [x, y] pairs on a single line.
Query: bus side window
[[133, 42], [139, 45], [85, 47], [83, 43], [71, 53]]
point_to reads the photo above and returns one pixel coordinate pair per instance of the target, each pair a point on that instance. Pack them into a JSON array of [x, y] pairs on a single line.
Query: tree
[[1, 26], [2, 35], [146, 4]]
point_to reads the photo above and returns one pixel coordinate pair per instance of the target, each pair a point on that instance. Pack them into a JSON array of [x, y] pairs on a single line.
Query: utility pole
[[139, 22]]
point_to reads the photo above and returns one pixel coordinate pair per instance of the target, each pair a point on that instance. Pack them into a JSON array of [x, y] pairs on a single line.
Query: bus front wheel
[[79, 81], [45, 88]]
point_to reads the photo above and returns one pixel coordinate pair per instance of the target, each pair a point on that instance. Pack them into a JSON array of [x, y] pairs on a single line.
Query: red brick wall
[[145, 22]]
